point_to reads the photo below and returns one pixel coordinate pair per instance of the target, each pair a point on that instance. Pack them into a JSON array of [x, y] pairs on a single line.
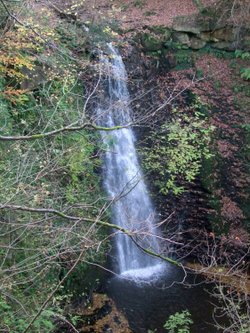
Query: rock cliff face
[[213, 209], [197, 31]]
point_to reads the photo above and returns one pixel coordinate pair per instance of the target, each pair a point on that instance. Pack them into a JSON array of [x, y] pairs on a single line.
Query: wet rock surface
[[103, 316]]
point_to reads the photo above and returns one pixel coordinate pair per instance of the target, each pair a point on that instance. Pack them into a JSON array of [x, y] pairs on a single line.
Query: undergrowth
[[40, 91], [179, 147]]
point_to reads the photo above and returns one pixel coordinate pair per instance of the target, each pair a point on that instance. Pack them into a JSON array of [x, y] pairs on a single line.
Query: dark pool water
[[148, 305]]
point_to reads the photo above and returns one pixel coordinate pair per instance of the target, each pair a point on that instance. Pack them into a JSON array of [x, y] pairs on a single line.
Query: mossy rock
[[197, 43], [163, 32], [198, 23], [225, 34], [190, 24], [156, 38], [227, 46], [182, 38], [219, 35], [102, 315], [151, 42]]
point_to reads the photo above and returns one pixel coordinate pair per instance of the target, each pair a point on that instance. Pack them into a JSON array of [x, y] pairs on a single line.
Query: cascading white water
[[132, 208]]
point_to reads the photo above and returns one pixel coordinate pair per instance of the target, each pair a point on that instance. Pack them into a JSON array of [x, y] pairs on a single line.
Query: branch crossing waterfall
[[132, 208]]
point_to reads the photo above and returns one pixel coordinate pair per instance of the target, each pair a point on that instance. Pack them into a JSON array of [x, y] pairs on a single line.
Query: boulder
[[189, 24], [226, 46], [163, 32], [182, 38], [198, 23], [197, 43], [223, 39], [224, 34], [205, 36], [102, 315]]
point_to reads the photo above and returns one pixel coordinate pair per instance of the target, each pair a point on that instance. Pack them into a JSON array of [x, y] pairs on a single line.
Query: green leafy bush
[[10, 322], [245, 73], [242, 54], [179, 322], [179, 147]]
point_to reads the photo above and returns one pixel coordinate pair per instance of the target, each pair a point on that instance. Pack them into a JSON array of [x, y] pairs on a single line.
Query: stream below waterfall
[[147, 306], [147, 290]]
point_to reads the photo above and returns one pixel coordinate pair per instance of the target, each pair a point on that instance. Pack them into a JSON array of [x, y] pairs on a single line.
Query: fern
[[244, 55], [245, 73]]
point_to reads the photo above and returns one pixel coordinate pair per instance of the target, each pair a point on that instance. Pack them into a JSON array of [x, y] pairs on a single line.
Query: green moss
[[184, 59], [151, 42], [221, 54]]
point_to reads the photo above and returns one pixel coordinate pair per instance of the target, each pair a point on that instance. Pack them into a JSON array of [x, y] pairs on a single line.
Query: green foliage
[[59, 172], [221, 54], [82, 178], [10, 322], [245, 73], [178, 149], [217, 85], [244, 323], [179, 322], [124, 7], [242, 54], [71, 36], [184, 58]]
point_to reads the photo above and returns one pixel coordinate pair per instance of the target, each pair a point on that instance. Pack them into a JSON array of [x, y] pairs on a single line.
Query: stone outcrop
[[208, 28], [190, 24], [197, 31], [197, 43], [151, 42]]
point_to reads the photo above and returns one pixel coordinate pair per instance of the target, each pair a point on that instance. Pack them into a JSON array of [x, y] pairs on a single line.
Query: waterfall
[[132, 208]]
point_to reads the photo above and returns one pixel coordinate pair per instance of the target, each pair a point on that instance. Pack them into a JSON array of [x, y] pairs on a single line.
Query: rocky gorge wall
[[196, 32], [212, 212]]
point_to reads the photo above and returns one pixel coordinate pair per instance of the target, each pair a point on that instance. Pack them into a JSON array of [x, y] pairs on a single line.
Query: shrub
[[179, 322], [179, 147]]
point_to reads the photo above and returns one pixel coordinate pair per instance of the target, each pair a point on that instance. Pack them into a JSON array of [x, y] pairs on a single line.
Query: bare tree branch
[[45, 303], [69, 128], [98, 222]]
